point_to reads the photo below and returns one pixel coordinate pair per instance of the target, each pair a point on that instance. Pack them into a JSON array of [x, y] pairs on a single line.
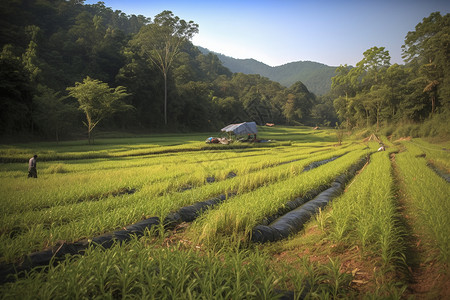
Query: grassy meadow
[[388, 230]]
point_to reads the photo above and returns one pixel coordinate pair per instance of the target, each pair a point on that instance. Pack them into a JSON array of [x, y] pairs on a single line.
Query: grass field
[[382, 238]]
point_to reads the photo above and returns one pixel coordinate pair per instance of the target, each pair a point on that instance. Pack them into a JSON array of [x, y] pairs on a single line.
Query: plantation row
[[240, 214], [429, 193], [134, 173], [29, 224], [212, 257]]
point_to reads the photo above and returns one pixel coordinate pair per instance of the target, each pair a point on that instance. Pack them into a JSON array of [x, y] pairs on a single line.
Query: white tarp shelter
[[241, 128]]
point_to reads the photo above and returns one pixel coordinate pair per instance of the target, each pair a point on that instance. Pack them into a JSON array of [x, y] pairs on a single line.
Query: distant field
[[369, 240]]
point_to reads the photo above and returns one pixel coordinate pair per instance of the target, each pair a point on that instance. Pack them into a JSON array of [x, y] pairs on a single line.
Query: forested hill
[[64, 64], [316, 76]]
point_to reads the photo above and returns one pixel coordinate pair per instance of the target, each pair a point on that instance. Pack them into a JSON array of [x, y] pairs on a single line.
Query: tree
[[341, 83], [345, 83], [323, 112], [395, 81], [360, 90], [291, 110], [16, 93], [377, 101], [29, 58], [375, 60], [299, 103], [98, 101], [160, 43], [427, 49], [53, 114]]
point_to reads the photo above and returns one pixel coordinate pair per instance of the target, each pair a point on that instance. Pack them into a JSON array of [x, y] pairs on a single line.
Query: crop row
[[102, 177], [107, 177], [240, 214], [366, 215], [438, 155], [82, 220], [429, 195], [141, 270], [11, 156]]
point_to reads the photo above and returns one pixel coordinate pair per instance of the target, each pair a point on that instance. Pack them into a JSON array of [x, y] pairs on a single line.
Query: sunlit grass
[[140, 270], [86, 190], [429, 194], [81, 203], [241, 213], [366, 214]]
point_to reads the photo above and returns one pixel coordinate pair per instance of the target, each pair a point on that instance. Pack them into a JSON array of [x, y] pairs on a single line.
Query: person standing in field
[[32, 172]]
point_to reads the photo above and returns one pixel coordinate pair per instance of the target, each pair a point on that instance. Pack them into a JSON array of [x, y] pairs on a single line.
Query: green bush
[[436, 126]]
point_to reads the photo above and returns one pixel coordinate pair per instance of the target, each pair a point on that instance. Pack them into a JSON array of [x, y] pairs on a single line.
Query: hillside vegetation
[[65, 65], [316, 76]]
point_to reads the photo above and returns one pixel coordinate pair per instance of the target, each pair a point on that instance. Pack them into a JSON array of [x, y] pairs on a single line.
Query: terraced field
[[168, 216]]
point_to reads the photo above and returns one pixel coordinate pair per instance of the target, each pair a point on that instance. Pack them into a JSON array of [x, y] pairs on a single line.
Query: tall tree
[[341, 83], [98, 101], [427, 48], [300, 101], [344, 85], [361, 87], [375, 61], [160, 43], [395, 81]]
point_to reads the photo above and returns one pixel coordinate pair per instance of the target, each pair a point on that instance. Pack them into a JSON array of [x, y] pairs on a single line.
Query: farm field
[[384, 231]]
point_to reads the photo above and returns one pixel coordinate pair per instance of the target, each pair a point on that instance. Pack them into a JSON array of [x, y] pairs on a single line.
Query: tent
[[241, 128]]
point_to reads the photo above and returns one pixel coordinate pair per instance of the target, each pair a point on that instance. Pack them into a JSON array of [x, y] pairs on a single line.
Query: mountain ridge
[[316, 76]]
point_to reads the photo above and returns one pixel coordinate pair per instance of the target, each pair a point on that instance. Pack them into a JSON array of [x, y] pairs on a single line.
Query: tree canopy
[[160, 43], [47, 46], [376, 92], [98, 101]]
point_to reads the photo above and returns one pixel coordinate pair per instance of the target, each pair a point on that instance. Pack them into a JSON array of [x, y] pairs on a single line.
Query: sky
[[278, 32]]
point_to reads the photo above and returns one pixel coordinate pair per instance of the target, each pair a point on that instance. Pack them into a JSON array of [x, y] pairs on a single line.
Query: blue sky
[[283, 31]]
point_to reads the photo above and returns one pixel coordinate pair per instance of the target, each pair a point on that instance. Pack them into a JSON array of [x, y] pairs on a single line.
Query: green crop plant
[[429, 194], [143, 270], [118, 182], [314, 280], [133, 174], [241, 213], [106, 152], [56, 211], [366, 213], [436, 154]]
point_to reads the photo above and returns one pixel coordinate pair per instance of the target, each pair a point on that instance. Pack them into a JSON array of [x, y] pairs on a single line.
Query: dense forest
[[64, 64], [316, 76], [378, 93]]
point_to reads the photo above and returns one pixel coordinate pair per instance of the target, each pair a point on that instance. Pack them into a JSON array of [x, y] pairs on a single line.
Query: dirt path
[[427, 278]]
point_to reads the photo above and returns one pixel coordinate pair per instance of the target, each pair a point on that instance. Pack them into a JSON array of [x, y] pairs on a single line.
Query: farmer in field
[[32, 172]]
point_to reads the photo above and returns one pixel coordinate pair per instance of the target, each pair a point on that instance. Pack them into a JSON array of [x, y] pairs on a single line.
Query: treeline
[[49, 46], [376, 93]]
